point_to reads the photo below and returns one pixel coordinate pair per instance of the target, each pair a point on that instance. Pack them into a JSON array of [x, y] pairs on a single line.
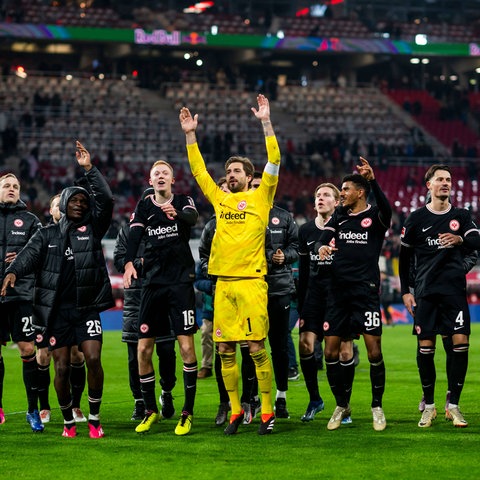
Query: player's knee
[[331, 354], [93, 361], [305, 347], [43, 357], [346, 357], [228, 359], [26, 349], [375, 360], [62, 371]]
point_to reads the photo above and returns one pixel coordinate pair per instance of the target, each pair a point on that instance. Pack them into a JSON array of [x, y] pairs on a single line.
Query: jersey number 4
[[459, 321]]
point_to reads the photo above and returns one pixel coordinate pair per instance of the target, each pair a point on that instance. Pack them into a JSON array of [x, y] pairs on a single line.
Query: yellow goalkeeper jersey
[[238, 245]]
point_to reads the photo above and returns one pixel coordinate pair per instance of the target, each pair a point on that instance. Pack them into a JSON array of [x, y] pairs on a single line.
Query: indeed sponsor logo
[[316, 258], [353, 236], [15, 232], [233, 216], [434, 242], [162, 230]]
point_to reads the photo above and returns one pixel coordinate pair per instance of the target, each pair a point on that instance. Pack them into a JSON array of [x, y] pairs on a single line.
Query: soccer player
[[165, 219], [18, 226], [69, 254], [313, 289], [357, 230], [238, 260], [165, 346], [77, 360], [281, 252], [436, 234], [249, 399], [470, 258]]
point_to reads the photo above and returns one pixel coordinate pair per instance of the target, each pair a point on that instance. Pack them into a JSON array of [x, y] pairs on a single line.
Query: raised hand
[[188, 123], [365, 170], [83, 156], [263, 112]]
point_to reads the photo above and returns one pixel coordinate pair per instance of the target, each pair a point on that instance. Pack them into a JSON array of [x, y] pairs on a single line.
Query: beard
[[236, 187]]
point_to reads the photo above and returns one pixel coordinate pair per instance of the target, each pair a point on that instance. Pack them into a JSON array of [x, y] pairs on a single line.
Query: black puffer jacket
[[17, 225], [43, 255], [132, 295], [282, 234]]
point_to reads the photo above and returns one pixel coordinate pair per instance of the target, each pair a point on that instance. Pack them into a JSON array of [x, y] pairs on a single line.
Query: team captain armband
[[272, 169]]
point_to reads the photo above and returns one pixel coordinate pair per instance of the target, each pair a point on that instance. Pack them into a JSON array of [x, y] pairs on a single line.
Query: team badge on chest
[[366, 222], [454, 225]]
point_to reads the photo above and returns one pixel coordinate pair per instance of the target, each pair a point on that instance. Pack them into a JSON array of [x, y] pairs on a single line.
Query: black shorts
[[314, 310], [167, 307], [71, 326], [16, 322], [353, 310], [441, 315]]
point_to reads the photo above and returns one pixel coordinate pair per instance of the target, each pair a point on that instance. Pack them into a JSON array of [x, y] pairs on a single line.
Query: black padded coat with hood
[[43, 254]]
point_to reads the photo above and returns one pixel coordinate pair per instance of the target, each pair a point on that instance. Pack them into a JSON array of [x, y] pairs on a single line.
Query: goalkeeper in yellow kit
[[238, 260]]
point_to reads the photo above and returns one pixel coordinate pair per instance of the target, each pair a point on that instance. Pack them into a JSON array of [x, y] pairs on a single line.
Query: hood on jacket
[[65, 196]]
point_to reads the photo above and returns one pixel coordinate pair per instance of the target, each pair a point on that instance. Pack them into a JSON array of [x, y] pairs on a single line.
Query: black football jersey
[[167, 258], [308, 235], [439, 269], [358, 239]]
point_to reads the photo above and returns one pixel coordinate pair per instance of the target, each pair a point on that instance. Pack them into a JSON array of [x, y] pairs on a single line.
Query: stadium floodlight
[[198, 7], [414, 61], [421, 39], [20, 72], [280, 34]]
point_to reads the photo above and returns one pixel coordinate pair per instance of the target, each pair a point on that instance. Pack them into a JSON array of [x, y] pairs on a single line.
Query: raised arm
[[189, 125], [83, 156], [366, 171], [199, 170], [263, 114], [269, 182]]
